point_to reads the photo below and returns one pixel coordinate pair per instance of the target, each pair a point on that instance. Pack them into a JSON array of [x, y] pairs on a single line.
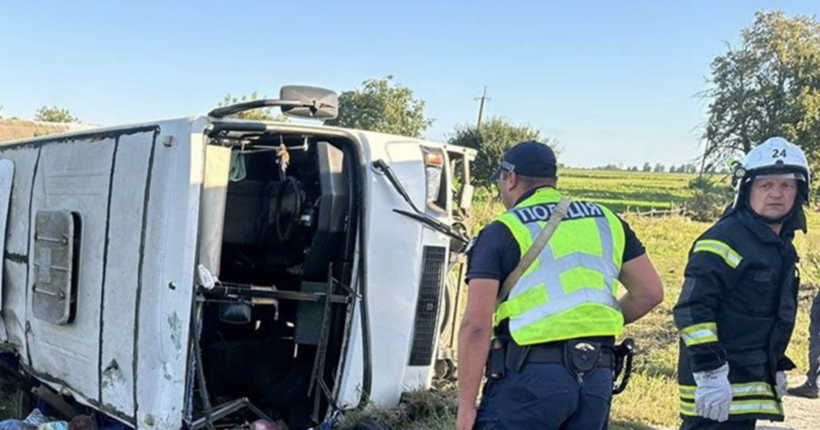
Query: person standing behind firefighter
[[562, 314], [809, 388], [738, 303]]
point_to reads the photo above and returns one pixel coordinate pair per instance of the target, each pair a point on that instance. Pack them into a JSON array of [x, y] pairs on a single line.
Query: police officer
[[738, 304], [561, 317], [809, 388]]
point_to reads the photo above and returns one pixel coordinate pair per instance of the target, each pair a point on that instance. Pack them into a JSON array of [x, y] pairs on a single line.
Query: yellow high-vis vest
[[570, 290]]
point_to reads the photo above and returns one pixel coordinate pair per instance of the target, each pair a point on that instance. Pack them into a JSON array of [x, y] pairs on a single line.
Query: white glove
[[782, 384], [714, 394]]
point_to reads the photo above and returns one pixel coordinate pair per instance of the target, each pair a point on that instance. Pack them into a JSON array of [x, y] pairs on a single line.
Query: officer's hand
[[466, 417], [713, 397]]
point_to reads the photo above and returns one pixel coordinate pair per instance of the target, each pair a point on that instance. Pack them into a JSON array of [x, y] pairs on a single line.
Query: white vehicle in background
[[206, 271]]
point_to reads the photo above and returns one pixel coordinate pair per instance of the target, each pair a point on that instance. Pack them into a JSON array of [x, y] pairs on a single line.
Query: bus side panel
[[75, 176], [122, 271], [394, 258], [6, 182], [406, 263], [15, 265], [164, 300]]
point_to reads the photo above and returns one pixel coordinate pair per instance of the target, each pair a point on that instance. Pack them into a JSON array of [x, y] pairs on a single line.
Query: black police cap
[[530, 158]]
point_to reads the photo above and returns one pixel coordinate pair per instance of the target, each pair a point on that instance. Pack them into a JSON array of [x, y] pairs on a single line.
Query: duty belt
[[557, 353], [580, 356]]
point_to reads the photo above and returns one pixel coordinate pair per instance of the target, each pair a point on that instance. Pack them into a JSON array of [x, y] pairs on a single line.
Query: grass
[[655, 380]]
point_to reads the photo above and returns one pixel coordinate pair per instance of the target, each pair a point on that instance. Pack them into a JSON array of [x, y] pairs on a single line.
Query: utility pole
[[483, 98]]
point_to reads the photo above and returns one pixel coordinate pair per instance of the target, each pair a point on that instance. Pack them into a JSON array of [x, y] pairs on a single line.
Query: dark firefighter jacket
[[738, 305]]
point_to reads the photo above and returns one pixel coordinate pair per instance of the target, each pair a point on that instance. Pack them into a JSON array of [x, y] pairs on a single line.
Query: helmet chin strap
[[772, 221]]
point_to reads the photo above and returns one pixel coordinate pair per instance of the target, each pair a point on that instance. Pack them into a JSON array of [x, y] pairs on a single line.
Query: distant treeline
[[660, 168]]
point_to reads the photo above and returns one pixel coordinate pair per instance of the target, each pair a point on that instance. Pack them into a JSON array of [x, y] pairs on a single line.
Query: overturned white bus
[[205, 271]]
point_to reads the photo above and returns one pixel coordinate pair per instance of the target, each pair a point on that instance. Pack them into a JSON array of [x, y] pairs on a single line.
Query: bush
[[709, 199], [492, 140]]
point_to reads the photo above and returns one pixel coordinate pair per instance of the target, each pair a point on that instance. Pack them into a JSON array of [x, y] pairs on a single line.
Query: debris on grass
[[431, 409]]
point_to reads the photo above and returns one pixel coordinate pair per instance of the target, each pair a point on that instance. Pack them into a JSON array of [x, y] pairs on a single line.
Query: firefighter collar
[[759, 228]]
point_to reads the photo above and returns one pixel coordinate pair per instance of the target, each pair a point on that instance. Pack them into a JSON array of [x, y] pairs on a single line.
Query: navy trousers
[[546, 397]]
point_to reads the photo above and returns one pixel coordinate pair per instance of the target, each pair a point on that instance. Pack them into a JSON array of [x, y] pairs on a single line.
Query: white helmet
[[774, 156]]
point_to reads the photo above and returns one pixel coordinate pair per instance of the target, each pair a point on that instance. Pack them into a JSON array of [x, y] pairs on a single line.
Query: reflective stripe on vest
[[570, 290]]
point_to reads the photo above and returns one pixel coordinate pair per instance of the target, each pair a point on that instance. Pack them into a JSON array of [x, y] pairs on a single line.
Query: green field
[[627, 191], [623, 192]]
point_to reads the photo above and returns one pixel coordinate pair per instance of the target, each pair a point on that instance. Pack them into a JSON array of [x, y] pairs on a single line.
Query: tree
[[1, 110], [382, 105], [54, 114], [264, 114], [767, 86], [659, 168], [495, 137], [647, 167]]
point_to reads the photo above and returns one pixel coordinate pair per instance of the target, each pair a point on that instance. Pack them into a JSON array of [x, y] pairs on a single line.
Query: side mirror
[[466, 196], [313, 102]]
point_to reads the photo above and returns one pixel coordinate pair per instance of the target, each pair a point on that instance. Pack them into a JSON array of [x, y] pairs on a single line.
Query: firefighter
[[738, 303], [561, 318]]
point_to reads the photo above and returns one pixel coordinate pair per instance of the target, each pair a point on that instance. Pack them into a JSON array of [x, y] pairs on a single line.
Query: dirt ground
[[801, 414]]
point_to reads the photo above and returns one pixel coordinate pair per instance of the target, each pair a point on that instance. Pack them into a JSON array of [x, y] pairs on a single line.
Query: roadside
[[801, 414]]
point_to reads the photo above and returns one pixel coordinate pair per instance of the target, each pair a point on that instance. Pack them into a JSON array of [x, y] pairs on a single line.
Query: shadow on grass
[[623, 425]]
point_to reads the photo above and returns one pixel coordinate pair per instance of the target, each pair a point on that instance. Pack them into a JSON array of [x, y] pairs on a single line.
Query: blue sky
[[614, 82]]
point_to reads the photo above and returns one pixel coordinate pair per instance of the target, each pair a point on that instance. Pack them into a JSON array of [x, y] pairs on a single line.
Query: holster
[[624, 355], [496, 360]]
